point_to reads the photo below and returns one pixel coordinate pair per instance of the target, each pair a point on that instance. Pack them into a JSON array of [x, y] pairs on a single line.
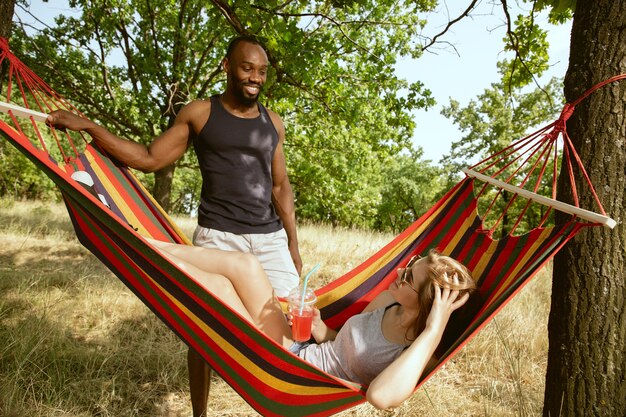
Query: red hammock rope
[[532, 155], [42, 98]]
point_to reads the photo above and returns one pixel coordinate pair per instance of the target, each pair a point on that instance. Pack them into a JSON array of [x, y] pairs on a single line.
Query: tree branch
[[466, 13], [200, 65], [327, 17], [336, 23], [124, 45], [209, 81], [156, 46], [230, 15], [103, 66], [516, 48]]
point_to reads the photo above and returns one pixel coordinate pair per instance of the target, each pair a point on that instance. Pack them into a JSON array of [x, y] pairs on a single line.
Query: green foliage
[[497, 117], [131, 65], [410, 188], [186, 189], [20, 177], [560, 10], [338, 186], [528, 42], [492, 122]]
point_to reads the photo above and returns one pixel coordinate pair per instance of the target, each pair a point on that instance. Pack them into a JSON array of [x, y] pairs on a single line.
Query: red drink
[[301, 325], [302, 310]]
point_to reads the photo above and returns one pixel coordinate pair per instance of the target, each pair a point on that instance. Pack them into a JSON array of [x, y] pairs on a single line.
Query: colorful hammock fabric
[[272, 380]]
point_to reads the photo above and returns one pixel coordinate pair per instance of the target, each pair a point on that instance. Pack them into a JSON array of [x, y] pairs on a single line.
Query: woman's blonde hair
[[441, 271]]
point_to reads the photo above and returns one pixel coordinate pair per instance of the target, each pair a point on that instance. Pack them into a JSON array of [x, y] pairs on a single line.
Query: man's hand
[[62, 119], [295, 256]]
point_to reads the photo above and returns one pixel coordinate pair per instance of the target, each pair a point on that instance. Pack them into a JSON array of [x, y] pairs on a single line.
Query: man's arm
[[161, 152], [282, 194]]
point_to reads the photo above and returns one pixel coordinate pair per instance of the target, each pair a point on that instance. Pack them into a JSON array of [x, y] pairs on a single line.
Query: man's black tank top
[[235, 156]]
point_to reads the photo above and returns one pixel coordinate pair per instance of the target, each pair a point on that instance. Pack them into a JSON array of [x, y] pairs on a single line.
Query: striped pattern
[[273, 381]]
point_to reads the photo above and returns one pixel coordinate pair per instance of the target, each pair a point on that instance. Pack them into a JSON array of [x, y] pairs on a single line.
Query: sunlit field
[[74, 341]]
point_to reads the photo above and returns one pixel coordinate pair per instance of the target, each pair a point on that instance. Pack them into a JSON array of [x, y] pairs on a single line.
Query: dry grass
[[75, 342]]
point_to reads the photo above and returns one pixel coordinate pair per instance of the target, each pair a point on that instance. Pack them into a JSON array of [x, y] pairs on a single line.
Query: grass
[[74, 341]]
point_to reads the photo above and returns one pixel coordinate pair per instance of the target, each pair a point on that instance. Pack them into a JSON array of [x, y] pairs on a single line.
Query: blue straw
[[306, 281]]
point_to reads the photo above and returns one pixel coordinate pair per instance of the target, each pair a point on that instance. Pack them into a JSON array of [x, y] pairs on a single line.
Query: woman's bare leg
[[252, 293]]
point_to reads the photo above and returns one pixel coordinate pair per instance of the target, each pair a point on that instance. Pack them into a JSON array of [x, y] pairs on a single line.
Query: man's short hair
[[239, 39]]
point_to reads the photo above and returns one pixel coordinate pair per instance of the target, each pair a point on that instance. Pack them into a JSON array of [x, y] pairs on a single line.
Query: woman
[[387, 347]]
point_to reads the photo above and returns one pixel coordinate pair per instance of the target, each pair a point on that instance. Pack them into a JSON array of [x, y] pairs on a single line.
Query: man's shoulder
[[196, 109], [198, 105], [271, 112], [195, 114], [276, 120]]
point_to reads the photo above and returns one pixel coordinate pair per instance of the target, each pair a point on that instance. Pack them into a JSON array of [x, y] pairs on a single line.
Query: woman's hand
[[445, 303], [319, 330], [317, 320], [318, 327]]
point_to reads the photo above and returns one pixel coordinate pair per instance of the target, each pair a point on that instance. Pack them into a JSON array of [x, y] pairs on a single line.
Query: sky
[[465, 71], [462, 71]]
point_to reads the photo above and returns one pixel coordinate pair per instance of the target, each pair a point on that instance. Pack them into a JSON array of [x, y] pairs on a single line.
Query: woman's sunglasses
[[406, 277]]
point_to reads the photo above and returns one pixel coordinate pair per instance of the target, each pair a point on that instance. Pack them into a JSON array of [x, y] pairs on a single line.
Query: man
[[246, 203]]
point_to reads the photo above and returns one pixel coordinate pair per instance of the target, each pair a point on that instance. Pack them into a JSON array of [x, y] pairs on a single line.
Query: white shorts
[[271, 249]]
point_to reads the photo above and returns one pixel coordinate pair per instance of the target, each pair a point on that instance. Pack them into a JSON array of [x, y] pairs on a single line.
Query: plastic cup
[[301, 311]]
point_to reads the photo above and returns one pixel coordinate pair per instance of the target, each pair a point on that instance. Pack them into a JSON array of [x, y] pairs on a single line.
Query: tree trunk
[[586, 373], [163, 178], [162, 191], [6, 17]]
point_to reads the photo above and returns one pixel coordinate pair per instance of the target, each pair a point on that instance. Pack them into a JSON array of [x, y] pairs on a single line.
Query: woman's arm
[[320, 331], [397, 381]]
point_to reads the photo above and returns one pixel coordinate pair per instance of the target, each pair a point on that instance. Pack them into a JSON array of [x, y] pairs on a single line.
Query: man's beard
[[245, 99], [238, 90]]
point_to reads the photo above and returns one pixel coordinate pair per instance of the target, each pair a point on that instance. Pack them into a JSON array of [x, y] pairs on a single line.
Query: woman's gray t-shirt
[[358, 353]]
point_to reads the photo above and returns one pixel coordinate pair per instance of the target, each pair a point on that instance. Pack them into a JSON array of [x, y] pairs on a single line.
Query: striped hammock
[[272, 380]]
